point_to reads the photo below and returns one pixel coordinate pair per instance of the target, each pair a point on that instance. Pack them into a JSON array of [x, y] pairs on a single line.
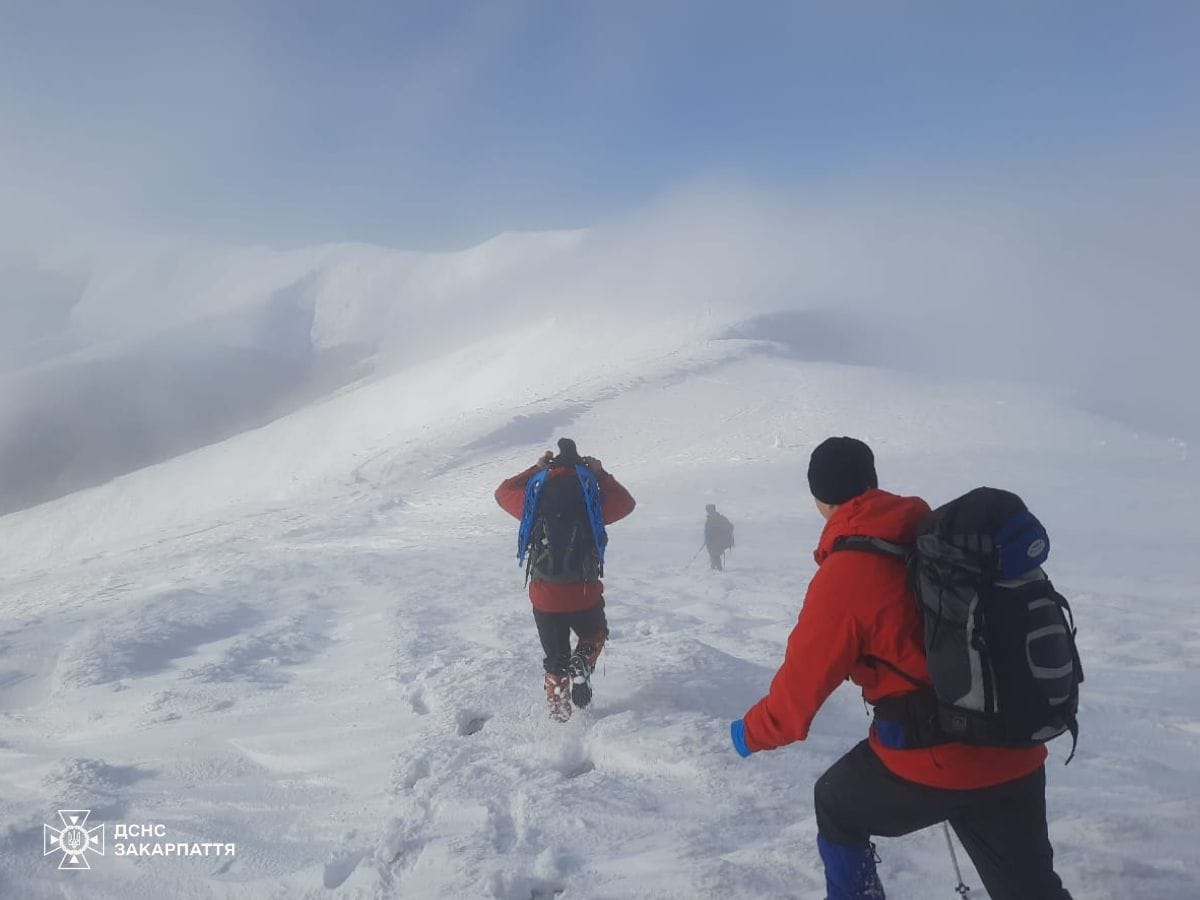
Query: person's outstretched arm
[[821, 650]]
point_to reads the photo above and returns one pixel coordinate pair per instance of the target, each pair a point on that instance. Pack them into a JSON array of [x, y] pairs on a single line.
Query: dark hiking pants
[[1003, 828], [555, 629]]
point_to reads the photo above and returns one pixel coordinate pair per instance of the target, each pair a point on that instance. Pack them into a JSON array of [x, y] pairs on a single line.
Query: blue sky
[[439, 123]]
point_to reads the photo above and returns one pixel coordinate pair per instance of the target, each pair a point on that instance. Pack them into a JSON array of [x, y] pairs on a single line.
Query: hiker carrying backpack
[[718, 536], [861, 621], [564, 502]]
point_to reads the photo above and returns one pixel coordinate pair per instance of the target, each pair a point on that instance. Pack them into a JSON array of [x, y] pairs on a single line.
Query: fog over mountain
[[122, 356]]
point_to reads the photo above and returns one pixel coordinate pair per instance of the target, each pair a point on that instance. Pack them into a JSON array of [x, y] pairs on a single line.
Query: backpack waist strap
[[908, 721], [918, 719]]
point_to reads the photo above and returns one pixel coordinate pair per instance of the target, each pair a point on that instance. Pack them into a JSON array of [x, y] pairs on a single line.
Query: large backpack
[[999, 639], [562, 528]]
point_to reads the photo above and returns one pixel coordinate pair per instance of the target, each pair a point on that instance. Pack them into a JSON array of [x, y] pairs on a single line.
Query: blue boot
[[849, 871]]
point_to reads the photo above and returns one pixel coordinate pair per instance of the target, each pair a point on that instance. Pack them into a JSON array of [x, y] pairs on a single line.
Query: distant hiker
[[563, 503], [718, 536], [859, 621]]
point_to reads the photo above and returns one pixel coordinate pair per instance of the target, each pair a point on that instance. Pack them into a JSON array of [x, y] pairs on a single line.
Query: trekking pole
[[962, 890]]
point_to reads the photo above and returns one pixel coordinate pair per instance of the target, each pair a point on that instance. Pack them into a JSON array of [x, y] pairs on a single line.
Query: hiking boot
[[581, 694], [558, 695], [580, 669], [589, 648]]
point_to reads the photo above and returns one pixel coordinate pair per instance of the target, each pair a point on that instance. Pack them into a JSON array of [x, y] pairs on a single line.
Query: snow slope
[[311, 639]]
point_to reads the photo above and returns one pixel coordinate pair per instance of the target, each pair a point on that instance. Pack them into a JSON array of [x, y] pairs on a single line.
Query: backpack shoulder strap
[[533, 489], [593, 500], [866, 544]]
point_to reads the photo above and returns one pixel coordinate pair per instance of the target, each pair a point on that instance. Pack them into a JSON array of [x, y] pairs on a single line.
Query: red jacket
[[615, 503], [859, 606]]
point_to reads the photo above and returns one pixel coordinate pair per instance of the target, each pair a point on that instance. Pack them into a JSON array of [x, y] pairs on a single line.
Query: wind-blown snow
[[311, 638]]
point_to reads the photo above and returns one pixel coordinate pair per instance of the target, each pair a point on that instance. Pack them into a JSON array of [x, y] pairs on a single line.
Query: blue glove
[[737, 732]]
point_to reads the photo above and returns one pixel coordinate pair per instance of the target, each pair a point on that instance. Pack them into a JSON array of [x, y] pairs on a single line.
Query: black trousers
[[554, 630], [1003, 828], [716, 559]]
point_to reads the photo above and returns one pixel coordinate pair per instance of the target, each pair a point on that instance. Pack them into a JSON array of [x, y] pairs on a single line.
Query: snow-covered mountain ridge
[[311, 638]]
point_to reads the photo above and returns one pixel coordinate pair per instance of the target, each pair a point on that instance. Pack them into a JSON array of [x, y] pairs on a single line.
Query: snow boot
[[850, 871], [580, 668], [558, 695]]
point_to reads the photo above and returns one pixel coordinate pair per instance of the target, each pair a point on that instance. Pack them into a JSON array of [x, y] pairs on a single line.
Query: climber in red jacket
[[564, 503], [860, 622]]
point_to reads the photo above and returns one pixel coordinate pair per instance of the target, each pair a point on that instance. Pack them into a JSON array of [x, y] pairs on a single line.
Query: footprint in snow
[[341, 867], [416, 771], [224, 867], [417, 702], [471, 722], [581, 768]]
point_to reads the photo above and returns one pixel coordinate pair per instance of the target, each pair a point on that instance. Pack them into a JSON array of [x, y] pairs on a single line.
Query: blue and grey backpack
[[999, 639]]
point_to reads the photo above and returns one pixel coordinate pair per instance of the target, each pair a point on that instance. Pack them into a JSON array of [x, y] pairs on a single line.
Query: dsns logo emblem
[[74, 840]]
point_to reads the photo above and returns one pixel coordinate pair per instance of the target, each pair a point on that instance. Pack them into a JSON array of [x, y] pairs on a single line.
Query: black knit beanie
[[568, 455], [840, 469]]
